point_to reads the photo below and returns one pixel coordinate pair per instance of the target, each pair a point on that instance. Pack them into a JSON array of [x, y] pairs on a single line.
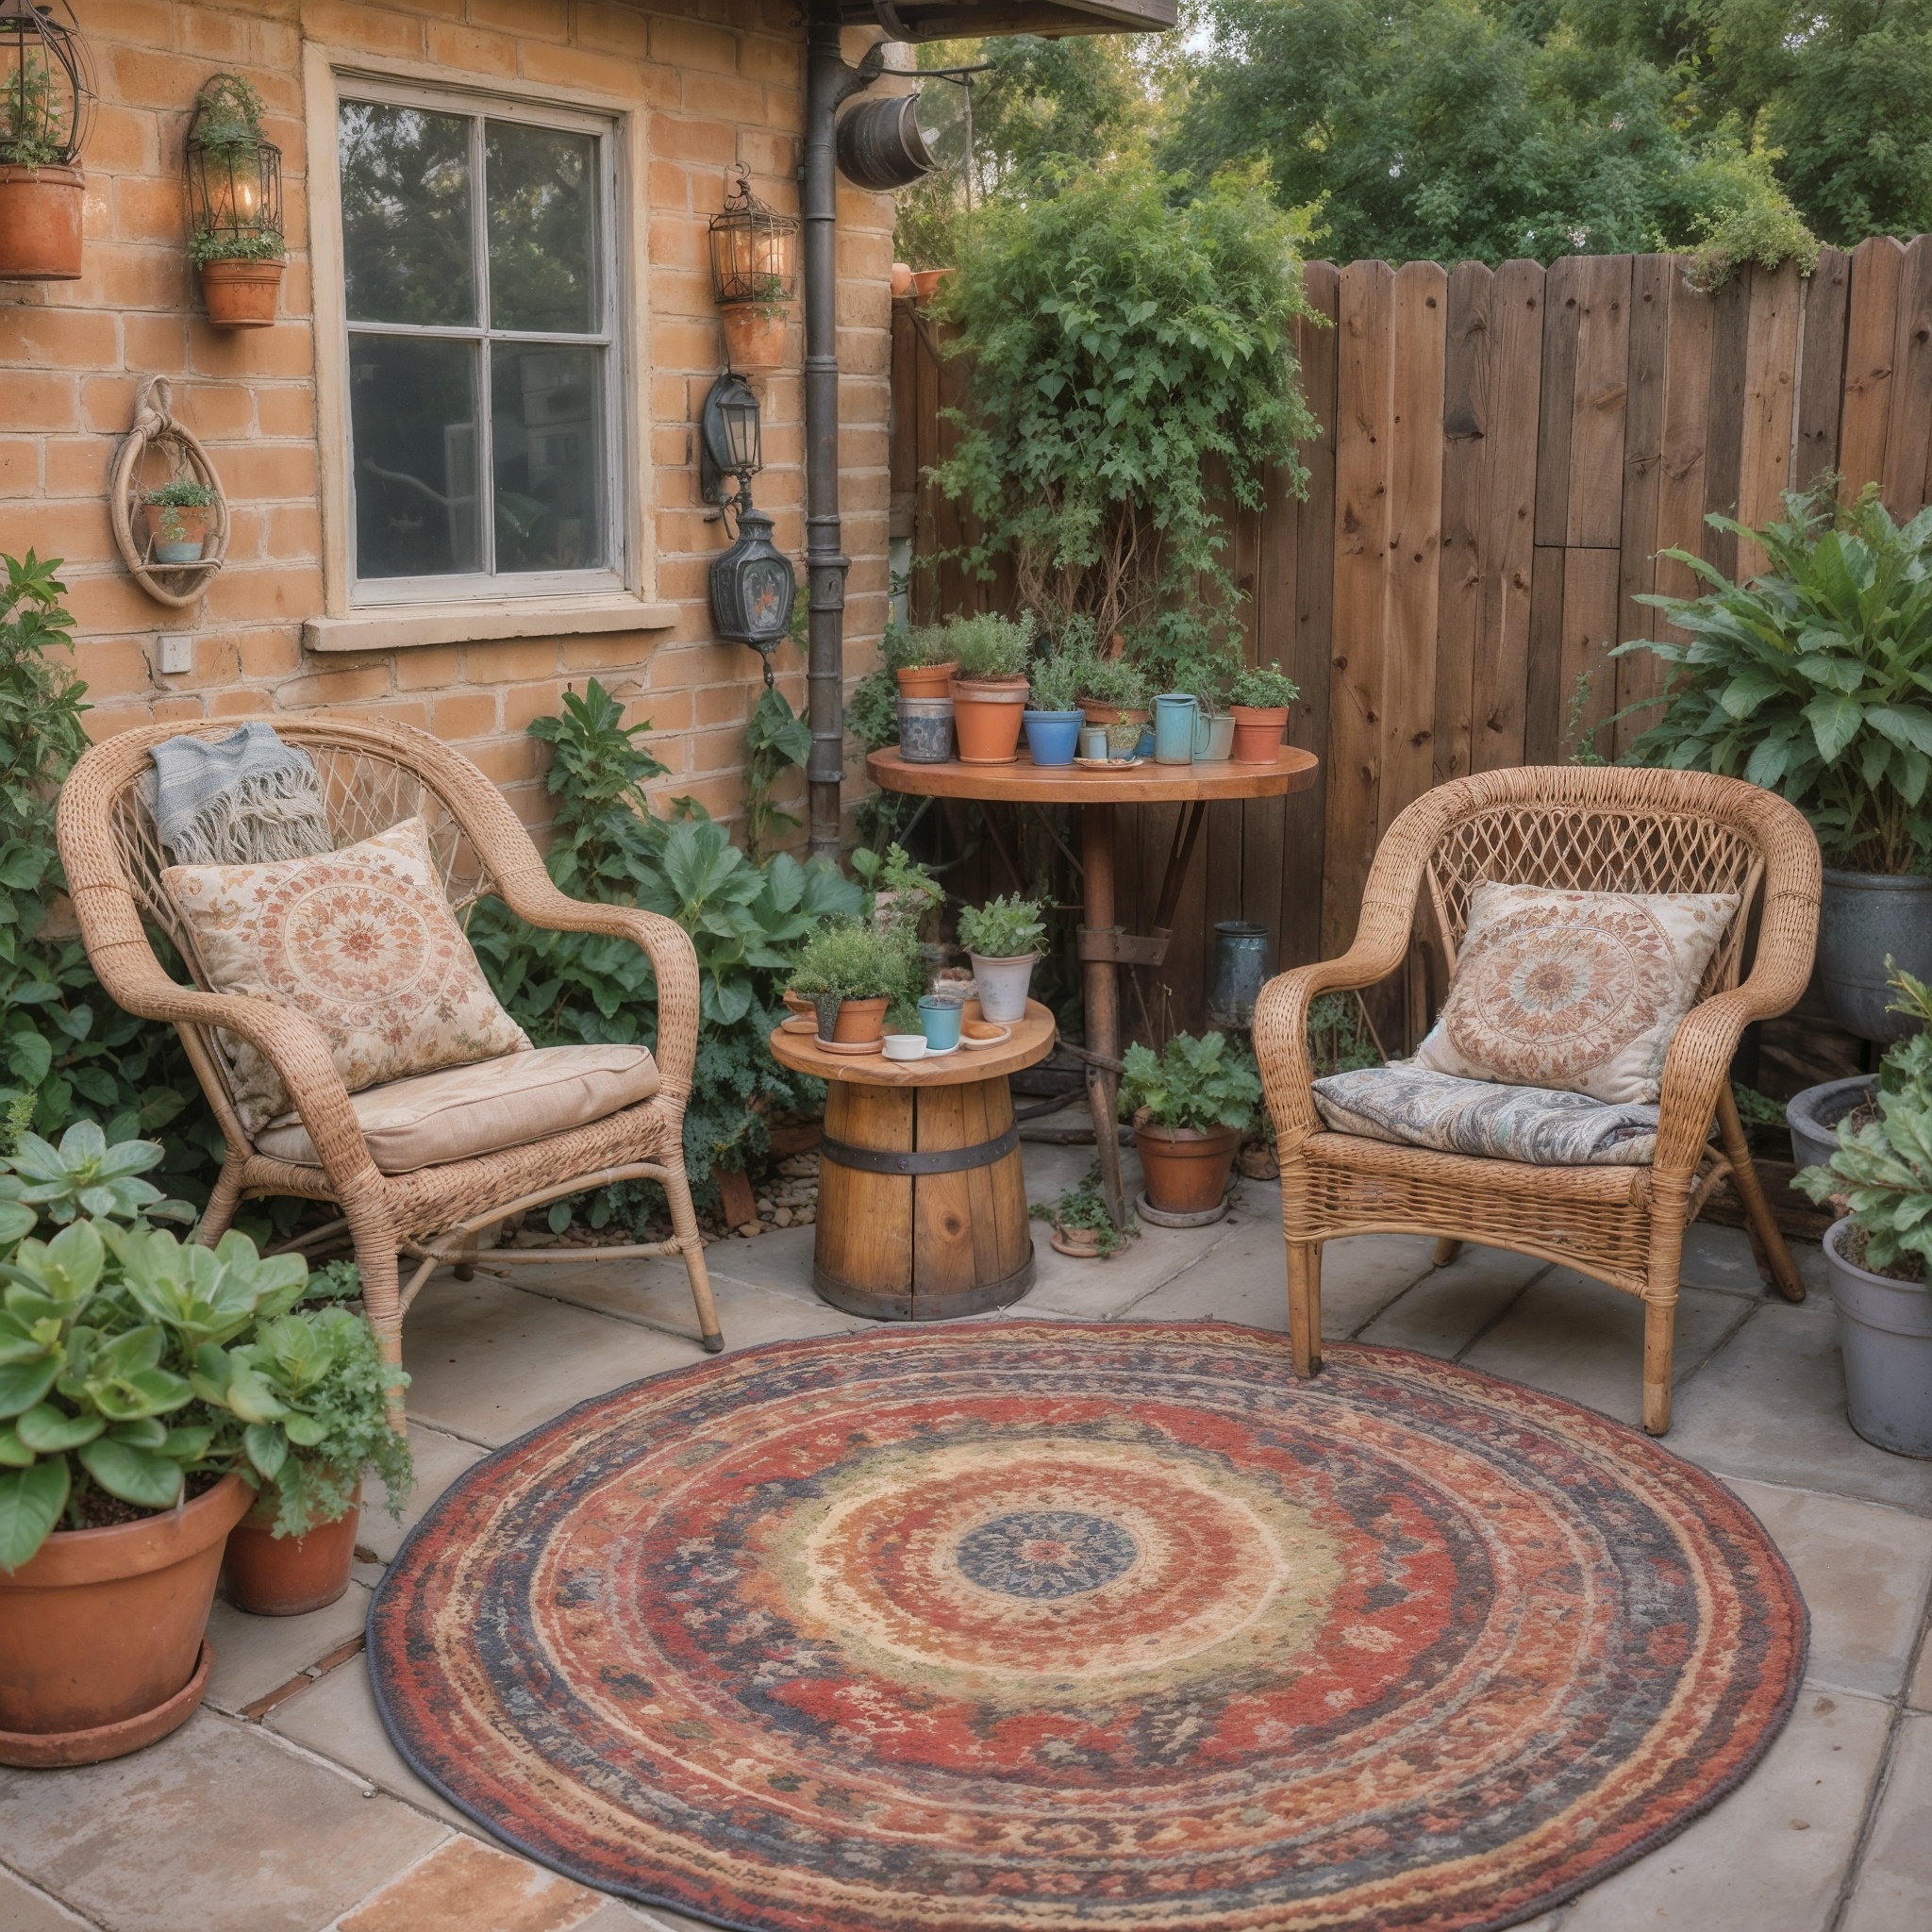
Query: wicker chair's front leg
[[376, 1246], [684, 1225]]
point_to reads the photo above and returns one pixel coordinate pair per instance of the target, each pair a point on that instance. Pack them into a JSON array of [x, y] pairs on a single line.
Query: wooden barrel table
[[922, 1211]]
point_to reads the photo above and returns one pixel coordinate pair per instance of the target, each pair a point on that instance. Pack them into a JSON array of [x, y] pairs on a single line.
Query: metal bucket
[[1884, 1330], [1862, 917], [881, 145], [926, 730], [1241, 964]]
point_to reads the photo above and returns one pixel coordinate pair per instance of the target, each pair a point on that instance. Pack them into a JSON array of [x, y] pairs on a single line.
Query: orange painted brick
[[412, 711], [346, 687], [668, 186], [614, 29], [505, 761], [285, 409], [70, 527], [283, 592], [721, 704], [149, 207], [678, 42], [59, 338], [262, 472], [270, 654], [252, 353], [510, 663], [188, 709], [213, 35], [682, 140], [722, 796], [463, 714], [131, 274], [146, 77], [473, 52], [668, 711], [122, 139], [103, 720], [242, 701], [574, 67], [101, 602], [216, 410], [431, 666], [294, 530], [530, 701], [116, 666], [147, 23], [548, 18], [367, 29], [726, 98], [38, 399], [20, 466], [155, 344], [534, 807]]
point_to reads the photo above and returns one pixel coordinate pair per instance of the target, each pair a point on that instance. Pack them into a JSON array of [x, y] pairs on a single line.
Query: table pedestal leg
[[1102, 999]]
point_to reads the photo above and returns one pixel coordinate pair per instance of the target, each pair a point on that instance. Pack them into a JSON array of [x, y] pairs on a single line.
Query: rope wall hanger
[[158, 451]]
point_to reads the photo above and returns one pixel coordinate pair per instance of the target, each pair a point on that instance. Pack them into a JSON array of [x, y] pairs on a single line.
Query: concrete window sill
[[402, 627]]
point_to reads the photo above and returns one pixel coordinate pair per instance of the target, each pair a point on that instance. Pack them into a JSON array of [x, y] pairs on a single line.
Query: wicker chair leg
[[1659, 1332], [684, 1224], [1773, 1259], [223, 1201], [1446, 1251], [376, 1258], [1305, 1307]]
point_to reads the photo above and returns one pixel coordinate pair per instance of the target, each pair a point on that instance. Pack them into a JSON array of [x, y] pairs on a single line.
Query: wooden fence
[[1503, 455]]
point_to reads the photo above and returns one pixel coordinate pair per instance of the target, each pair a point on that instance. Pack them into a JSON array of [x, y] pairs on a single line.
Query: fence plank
[[1562, 314], [1466, 395], [1771, 394], [1415, 536], [1908, 433], [1723, 433], [1513, 383], [1871, 334], [1687, 421], [1634, 680], [1592, 586], [1822, 366], [1598, 397], [1364, 407]]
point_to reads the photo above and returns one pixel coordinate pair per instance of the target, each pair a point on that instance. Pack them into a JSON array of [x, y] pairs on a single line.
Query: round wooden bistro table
[[922, 1210], [1104, 948]]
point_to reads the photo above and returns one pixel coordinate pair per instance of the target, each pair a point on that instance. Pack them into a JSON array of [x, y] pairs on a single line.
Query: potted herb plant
[[1260, 700], [235, 200], [755, 328], [990, 687], [1003, 940], [1082, 1229], [1114, 694], [852, 975], [1811, 680], [1052, 715], [178, 516], [124, 1422], [922, 660], [1213, 722], [40, 127], [1189, 1104], [1880, 1175]]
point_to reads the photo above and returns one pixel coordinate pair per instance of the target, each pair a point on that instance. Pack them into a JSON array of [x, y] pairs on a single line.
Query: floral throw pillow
[[363, 941], [1580, 991]]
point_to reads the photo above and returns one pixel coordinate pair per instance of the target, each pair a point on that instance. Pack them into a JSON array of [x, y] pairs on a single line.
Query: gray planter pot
[[1863, 917], [1814, 1114], [1885, 1331]]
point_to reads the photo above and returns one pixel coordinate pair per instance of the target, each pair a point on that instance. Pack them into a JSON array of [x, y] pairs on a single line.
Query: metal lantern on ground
[[46, 102], [754, 250], [234, 203]]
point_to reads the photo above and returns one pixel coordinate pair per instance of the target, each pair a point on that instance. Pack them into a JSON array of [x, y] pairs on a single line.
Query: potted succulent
[[852, 975], [1114, 694], [234, 206], [41, 90], [1260, 699], [1811, 679], [126, 1419], [755, 328], [1880, 1175], [990, 687], [1003, 940], [1189, 1104], [1053, 716], [178, 515]]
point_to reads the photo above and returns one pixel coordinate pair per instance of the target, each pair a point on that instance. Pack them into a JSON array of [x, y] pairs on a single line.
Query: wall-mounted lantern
[[754, 279], [234, 205], [752, 583], [46, 102]]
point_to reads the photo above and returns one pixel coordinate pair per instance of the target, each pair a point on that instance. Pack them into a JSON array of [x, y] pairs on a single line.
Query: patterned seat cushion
[[361, 940], [1576, 991], [1412, 1105]]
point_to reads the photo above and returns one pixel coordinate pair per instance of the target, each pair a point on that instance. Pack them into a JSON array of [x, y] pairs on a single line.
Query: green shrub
[[1056, 683], [1812, 679], [1266, 687], [856, 962], [1113, 681], [1002, 928], [1197, 1084]]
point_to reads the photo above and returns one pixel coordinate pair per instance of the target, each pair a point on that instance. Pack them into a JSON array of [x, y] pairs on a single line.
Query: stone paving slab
[[1865, 1573], [1894, 1892], [218, 1828], [440, 1459], [466, 1886], [1245, 1280], [1772, 1857], [256, 1654], [1920, 1695], [24, 1907], [657, 1294], [1448, 1308]]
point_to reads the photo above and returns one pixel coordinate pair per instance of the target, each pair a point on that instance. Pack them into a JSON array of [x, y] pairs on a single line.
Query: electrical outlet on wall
[[177, 652]]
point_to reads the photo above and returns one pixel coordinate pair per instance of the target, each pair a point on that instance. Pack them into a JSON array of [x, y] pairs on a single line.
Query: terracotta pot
[[926, 283], [901, 282], [269, 1575], [986, 717], [754, 338], [177, 533], [1257, 733], [860, 1020], [927, 680], [40, 223], [1185, 1171], [242, 294], [101, 1632]]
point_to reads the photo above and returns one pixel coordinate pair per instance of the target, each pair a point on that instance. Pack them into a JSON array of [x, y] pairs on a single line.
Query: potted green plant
[[124, 1423], [1880, 1176], [1003, 939], [852, 974], [1114, 694], [1052, 715], [41, 190], [754, 327], [178, 515], [235, 202], [1189, 1104], [1082, 1229], [1260, 699], [990, 685], [1812, 679], [1208, 684], [922, 660]]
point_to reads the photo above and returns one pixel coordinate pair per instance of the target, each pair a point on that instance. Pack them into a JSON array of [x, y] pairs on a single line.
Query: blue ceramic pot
[[1051, 736], [1174, 727], [939, 1021]]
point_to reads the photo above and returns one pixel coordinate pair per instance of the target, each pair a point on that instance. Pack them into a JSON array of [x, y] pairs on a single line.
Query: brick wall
[[719, 82]]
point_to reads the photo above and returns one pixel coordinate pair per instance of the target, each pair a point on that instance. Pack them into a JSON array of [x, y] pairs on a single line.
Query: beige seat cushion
[[465, 1111], [361, 940]]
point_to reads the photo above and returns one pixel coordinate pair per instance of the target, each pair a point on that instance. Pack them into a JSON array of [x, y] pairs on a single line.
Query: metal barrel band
[[937, 1160]]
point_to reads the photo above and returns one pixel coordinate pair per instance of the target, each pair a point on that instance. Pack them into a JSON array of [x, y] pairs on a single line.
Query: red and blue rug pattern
[[1039, 1626]]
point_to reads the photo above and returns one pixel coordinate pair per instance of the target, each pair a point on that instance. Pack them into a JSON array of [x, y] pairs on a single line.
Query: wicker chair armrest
[[1281, 1030], [673, 960]]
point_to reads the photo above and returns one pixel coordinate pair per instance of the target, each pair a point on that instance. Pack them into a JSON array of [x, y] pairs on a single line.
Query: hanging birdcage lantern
[[754, 250], [234, 203], [46, 102]]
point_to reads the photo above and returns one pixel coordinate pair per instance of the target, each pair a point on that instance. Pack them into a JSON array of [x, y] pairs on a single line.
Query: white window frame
[[380, 612]]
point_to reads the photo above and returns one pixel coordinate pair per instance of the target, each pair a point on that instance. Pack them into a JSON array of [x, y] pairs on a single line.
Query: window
[[479, 295]]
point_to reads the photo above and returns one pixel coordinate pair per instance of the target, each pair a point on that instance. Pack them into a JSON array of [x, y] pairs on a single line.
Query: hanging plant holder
[[755, 277], [173, 546], [234, 180], [46, 102]]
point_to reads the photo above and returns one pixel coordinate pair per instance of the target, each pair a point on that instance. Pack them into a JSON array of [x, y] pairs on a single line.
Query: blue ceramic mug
[[1174, 727], [939, 1021]]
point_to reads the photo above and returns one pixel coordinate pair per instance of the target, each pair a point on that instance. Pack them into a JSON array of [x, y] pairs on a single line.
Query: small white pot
[[1002, 985]]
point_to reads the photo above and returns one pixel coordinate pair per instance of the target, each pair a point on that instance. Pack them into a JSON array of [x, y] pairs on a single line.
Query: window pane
[[405, 215], [412, 416], [545, 416], [542, 229]]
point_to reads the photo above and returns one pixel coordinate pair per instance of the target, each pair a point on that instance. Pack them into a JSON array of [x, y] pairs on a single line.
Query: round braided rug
[[1030, 1626]]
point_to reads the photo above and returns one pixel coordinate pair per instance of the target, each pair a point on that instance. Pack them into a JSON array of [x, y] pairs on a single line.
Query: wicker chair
[[373, 776], [1606, 828]]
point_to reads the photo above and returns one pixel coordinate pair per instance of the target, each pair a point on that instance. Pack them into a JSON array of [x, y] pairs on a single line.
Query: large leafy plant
[[1197, 1084], [1814, 678]]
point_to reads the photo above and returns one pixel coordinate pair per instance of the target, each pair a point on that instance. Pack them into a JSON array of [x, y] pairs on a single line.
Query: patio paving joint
[[42, 1897]]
